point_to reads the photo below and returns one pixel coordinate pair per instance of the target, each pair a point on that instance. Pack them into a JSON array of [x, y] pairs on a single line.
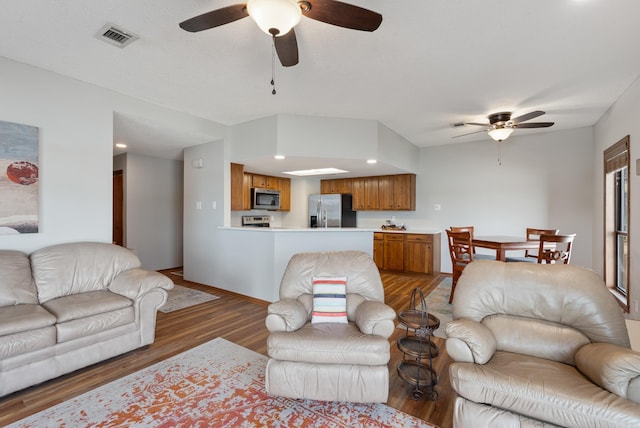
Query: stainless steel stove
[[256, 220]]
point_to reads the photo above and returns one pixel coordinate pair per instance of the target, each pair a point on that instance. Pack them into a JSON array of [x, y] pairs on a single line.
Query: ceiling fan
[[278, 17], [501, 125]]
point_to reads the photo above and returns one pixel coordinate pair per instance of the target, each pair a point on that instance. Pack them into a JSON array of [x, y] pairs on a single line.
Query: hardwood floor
[[240, 320]]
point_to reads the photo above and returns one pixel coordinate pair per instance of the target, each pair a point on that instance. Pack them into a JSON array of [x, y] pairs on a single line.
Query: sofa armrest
[[134, 283], [286, 315], [469, 341], [611, 367], [373, 317]]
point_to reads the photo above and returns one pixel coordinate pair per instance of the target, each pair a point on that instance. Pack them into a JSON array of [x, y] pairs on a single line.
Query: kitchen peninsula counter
[[300, 229], [256, 257]]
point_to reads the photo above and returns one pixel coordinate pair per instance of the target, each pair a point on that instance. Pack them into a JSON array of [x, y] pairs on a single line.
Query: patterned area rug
[[217, 384], [438, 304], [182, 297]]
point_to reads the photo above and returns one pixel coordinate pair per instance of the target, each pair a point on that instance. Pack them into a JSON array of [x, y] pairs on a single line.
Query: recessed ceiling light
[[121, 145], [279, 157], [372, 161], [318, 171]]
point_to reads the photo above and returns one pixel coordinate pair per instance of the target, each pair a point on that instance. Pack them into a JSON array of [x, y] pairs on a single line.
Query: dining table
[[503, 243]]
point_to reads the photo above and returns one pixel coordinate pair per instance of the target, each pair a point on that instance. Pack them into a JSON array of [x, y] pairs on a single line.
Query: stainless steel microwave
[[265, 199]]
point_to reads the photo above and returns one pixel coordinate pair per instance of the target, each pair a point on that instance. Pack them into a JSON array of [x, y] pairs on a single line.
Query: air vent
[[116, 36], [456, 124]]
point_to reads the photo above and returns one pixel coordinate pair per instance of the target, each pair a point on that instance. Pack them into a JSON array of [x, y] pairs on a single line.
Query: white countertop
[[328, 229], [416, 231], [301, 229]]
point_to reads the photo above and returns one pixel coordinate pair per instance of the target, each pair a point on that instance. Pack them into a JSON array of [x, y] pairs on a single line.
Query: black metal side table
[[416, 367]]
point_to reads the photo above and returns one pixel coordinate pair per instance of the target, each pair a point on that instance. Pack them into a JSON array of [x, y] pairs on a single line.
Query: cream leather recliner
[[330, 361], [540, 346]]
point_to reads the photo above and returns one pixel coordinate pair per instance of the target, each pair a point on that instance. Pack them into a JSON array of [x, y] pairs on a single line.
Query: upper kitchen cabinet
[[384, 193], [337, 186], [284, 185], [397, 192], [242, 182], [237, 184], [264, 181]]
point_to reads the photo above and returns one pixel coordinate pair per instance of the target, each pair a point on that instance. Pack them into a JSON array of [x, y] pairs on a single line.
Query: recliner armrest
[[134, 283], [373, 317], [611, 367], [286, 315], [469, 341]]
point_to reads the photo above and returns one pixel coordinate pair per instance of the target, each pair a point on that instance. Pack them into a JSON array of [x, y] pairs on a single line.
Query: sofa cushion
[[83, 305], [27, 341], [17, 285], [66, 269], [19, 318], [542, 389], [329, 343], [87, 326]]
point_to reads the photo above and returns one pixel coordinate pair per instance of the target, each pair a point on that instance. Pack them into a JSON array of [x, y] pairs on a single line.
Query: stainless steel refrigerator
[[331, 210]]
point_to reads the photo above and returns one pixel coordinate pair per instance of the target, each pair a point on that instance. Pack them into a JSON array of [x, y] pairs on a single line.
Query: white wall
[[545, 180], [620, 120], [76, 149], [201, 234], [154, 189]]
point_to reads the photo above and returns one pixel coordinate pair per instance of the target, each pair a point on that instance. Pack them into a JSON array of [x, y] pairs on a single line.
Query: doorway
[[118, 208]]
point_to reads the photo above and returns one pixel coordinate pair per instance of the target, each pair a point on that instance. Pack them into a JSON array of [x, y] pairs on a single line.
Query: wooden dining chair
[[470, 230], [461, 252], [555, 248], [533, 234]]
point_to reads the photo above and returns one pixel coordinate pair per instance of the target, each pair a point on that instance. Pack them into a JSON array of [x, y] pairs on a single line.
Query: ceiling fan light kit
[[275, 17], [500, 134]]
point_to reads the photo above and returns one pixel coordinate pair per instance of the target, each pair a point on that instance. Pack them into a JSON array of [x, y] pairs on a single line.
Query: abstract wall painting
[[19, 178]]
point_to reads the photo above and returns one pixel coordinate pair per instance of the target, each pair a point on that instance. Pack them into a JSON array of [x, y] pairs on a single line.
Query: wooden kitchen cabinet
[[393, 258], [358, 199], [378, 249], [417, 253], [385, 195], [264, 181], [336, 185], [407, 252], [397, 192], [371, 193], [403, 191], [237, 177], [246, 192], [385, 192], [365, 193], [284, 185]]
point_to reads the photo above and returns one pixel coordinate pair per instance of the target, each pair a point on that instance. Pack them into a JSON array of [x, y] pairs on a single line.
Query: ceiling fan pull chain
[[273, 64], [498, 153]]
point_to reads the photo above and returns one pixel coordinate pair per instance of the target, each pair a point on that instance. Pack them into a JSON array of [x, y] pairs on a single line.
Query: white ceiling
[[430, 63]]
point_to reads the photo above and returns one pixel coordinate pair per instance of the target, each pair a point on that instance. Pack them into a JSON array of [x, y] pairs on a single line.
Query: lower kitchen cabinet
[[378, 249], [407, 252], [393, 258]]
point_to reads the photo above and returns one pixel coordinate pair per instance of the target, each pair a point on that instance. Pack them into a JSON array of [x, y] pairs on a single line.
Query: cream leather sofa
[[330, 361], [540, 346], [71, 305]]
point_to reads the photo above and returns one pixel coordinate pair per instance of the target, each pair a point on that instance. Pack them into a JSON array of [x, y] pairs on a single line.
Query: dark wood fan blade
[[477, 124], [215, 18], [527, 116], [534, 125], [343, 15], [474, 132], [287, 48]]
